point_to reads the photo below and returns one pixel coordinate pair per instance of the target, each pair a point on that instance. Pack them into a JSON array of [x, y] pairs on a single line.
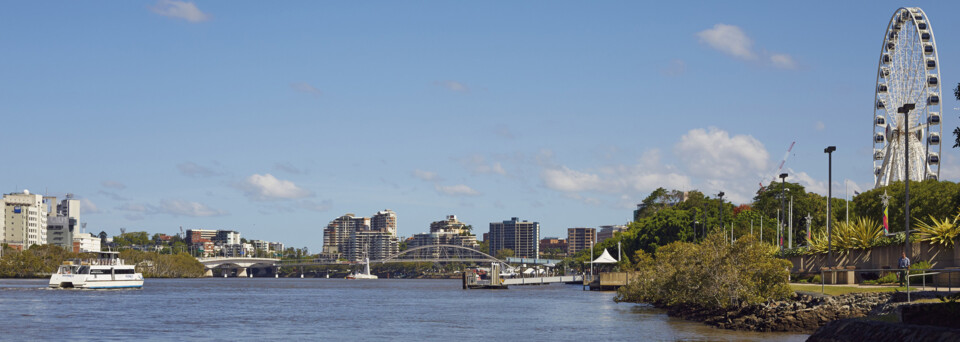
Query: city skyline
[[274, 119]]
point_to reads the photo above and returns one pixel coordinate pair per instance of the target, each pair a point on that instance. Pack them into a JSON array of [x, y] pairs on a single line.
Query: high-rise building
[[579, 239], [384, 221], [355, 238], [522, 237], [25, 219], [227, 237], [63, 224], [375, 245], [337, 234], [607, 232], [446, 232], [199, 236]]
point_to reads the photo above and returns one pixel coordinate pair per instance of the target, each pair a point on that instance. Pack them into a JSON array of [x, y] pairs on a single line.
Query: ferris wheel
[[908, 73]]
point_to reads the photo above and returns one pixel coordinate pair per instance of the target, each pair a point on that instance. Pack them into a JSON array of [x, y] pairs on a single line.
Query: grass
[[835, 290]]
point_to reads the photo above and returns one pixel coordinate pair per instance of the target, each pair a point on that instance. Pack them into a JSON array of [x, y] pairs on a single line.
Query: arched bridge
[[441, 253], [239, 264]]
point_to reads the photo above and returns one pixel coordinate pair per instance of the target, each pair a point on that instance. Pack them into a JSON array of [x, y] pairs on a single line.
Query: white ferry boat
[[105, 272], [365, 275]]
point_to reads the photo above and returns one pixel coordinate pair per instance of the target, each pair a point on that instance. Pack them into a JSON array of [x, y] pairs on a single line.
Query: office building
[[579, 239], [25, 220], [522, 237], [607, 232], [85, 243], [199, 236], [227, 237], [63, 223]]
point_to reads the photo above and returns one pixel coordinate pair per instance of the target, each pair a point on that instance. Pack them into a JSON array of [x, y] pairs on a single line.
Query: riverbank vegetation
[[39, 261], [712, 274], [157, 265], [34, 262]]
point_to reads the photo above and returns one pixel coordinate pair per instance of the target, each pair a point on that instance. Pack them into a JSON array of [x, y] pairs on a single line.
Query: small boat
[[366, 272], [106, 272]]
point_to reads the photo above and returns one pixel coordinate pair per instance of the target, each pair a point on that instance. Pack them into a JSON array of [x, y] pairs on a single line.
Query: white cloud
[[187, 208], [456, 190], [810, 184], [306, 88], [733, 41], [453, 85], [192, 169], [426, 175], [88, 207], [783, 61], [714, 154], [113, 185], [181, 10], [478, 164], [728, 39], [565, 179], [172, 207], [623, 180], [267, 187]]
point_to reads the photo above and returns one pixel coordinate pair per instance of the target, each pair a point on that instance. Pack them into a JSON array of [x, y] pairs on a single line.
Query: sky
[[273, 119]]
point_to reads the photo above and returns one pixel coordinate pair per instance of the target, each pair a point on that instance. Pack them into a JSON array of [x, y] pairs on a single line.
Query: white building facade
[[25, 219]]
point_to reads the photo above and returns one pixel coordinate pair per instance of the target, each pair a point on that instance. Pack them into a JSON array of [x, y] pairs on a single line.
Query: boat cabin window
[[99, 271], [124, 271], [84, 270]]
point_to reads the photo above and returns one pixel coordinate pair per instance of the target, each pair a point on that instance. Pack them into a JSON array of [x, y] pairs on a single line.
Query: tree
[[956, 131], [505, 253]]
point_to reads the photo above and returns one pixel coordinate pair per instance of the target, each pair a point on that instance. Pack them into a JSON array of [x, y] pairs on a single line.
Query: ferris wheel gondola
[[908, 73]]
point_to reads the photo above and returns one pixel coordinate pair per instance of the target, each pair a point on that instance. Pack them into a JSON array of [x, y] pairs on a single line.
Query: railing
[[849, 276]]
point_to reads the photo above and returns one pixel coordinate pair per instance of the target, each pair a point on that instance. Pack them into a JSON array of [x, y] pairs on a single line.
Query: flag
[[886, 226]]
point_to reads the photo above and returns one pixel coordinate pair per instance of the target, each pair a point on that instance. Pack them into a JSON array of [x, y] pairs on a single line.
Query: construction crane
[[779, 168]]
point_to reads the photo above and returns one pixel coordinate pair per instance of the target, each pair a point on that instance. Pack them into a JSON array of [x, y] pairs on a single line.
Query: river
[[231, 309]]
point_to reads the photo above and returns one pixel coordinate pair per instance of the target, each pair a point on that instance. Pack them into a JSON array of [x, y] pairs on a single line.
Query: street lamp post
[[905, 110], [783, 204], [829, 151], [721, 210]]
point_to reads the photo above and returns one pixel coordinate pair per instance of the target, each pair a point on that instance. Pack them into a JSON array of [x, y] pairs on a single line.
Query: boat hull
[[67, 281]]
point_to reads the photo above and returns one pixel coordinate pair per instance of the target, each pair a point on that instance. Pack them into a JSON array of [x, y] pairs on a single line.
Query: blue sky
[[275, 118]]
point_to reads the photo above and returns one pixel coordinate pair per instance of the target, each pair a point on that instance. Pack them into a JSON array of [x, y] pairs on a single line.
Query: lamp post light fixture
[[721, 211], [829, 151], [783, 204], [905, 110]]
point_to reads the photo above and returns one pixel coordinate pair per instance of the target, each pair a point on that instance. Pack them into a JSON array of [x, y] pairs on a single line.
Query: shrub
[[815, 279], [714, 273], [942, 232]]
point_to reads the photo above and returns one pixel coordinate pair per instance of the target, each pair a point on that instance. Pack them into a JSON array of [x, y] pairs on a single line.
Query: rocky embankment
[[805, 313]]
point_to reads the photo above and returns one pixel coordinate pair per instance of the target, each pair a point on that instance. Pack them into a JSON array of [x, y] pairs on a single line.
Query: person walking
[[904, 265]]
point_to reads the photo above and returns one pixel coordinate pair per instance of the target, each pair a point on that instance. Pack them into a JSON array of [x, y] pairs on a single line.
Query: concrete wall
[[880, 257]]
